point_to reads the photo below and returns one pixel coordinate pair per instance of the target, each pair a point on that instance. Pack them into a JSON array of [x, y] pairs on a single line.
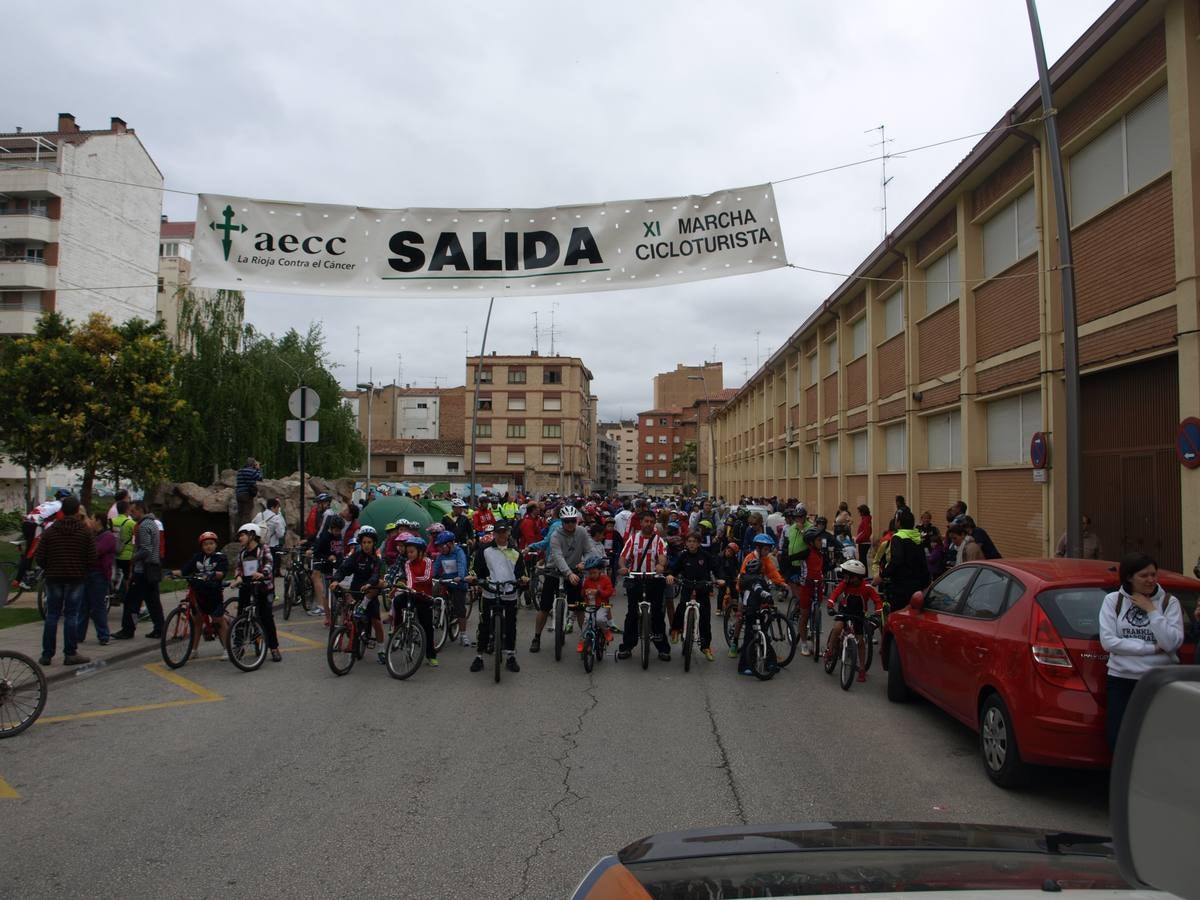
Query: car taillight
[[1050, 653]]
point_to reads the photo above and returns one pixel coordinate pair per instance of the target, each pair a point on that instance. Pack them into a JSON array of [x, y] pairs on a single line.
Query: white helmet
[[254, 529], [853, 567], [568, 512]]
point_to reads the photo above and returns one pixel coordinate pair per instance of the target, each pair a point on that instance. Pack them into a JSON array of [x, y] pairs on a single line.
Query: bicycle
[[297, 582], [34, 580], [759, 650], [816, 613], [445, 625], [644, 607], [349, 636], [779, 630], [187, 624], [22, 692], [875, 624], [247, 638], [691, 616], [504, 594], [846, 656], [559, 616], [533, 590], [405, 649]]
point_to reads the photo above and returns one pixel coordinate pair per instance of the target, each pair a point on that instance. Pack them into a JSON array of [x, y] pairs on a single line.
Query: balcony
[[30, 274], [29, 177], [18, 321], [24, 226]]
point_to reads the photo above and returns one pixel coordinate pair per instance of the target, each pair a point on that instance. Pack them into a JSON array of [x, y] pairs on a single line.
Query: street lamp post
[[712, 447], [369, 387]]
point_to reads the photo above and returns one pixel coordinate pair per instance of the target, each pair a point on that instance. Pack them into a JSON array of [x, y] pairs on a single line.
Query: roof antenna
[[882, 143]]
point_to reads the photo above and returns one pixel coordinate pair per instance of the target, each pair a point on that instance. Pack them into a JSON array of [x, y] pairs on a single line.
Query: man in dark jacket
[[246, 489], [66, 553], [906, 571], [147, 573]]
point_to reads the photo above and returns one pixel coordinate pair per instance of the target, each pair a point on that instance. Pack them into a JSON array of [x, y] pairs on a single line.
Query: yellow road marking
[[7, 792], [300, 640], [203, 695]]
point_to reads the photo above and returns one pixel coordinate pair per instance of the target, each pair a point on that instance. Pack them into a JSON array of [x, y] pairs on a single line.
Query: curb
[[63, 673]]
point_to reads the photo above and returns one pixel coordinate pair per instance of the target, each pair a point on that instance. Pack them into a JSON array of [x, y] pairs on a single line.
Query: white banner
[[298, 248]]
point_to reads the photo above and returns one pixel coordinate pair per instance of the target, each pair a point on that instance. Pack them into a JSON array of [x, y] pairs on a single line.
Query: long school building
[[927, 371]]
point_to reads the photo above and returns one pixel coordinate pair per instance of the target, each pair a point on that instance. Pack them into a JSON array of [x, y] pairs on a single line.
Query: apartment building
[[535, 426], [624, 435], [414, 431], [687, 384], [175, 241], [927, 372], [606, 472], [662, 435]]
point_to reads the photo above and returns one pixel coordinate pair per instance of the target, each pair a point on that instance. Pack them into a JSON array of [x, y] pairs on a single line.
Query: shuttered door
[[808, 493], [829, 498], [889, 487], [856, 490], [1009, 507], [935, 492]]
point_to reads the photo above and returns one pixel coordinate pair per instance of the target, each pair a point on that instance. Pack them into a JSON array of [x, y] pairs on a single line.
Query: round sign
[[1039, 450], [304, 402], [1187, 443]]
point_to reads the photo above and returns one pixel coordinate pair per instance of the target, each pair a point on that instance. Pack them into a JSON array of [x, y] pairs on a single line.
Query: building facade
[[535, 426], [687, 384], [606, 473], [624, 435], [414, 431], [927, 372], [175, 241], [663, 434]]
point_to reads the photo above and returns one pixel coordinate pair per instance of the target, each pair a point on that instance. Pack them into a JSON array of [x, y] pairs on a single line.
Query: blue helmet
[[446, 537], [764, 539], [595, 562], [61, 494], [415, 541]]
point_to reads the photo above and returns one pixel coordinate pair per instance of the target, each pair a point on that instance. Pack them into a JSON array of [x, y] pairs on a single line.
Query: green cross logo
[[228, 227]]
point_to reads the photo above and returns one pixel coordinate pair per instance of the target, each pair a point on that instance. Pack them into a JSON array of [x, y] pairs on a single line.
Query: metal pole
[[303, 415], [370, 419], [475, 403], [1072, 456]]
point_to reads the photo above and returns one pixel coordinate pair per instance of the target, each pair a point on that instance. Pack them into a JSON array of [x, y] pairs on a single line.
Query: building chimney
[[66, 124], [533, 353], [117, 125], [164, 218], [18, 129]]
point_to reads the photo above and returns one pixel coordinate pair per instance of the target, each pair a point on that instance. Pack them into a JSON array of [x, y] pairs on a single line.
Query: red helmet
[[733, 546], [207, 536]]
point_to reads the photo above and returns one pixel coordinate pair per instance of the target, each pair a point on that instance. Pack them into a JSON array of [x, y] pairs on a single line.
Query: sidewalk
[[27, 639]]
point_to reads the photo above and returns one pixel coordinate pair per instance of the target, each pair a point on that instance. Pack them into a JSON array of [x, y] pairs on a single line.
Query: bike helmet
[[415, 541], [820, 522], [458, 504], [251, 528], [391, 526], [853, 567], [61, 493], [436, 528], [446, 537], [486, 540], [568, 512], [367, 531], [732, 545], [764, 539], [595, 562], [324, 497], [704, 523], [753, 566], [406, 536], [207, 536]]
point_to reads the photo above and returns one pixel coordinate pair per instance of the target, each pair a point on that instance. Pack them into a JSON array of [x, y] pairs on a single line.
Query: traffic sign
[[302, 431], [304, 402], [1039, 450], [1187, 443]]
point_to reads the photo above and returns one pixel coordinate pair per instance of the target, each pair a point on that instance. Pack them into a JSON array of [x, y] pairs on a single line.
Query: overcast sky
[[483, 104]]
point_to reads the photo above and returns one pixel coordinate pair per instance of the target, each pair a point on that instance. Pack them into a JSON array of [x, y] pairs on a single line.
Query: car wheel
[[998, 744], [897, 690]]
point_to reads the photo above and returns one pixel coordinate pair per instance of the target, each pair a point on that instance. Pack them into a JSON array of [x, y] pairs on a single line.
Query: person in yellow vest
[[123, 526], [509, 509]]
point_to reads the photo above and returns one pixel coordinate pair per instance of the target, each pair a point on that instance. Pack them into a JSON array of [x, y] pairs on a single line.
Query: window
[[662, 438], [168, 249], [649, 423], [516, 376], [895, 442], [662, 457], [485, 404], [814, 371], [941, 281], [858, 337], [663, 422], [552, 376], [483, 429], [485, 376], [550, 458], [35, 253], [452, 467], [483, 457], [945, 594], [1011, 423], [1127, 156], [945, 443], [649, 457], [648, 474], [39, 206], [515, 431], [516, 457], [1009, 235], [676, 439], [831, 358], [988, 595], [552, 431], [516, 404], [649, 439], [814, 460], [422, 406], [552, 404], [389, 465], [662, 473], [858, 449], [418, 465], [831, 457], [893, 314]]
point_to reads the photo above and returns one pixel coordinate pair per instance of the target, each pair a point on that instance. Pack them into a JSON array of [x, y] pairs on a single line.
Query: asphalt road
[[292, 781]]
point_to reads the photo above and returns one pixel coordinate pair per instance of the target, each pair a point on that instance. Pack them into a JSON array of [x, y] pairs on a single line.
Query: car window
[[1075, 612], [947, 591], [989, 594]]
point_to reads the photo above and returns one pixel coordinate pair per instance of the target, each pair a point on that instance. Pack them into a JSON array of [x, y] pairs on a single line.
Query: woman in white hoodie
[[1141, 627]]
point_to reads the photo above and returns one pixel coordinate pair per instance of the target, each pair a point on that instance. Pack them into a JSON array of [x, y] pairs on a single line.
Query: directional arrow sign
[[302, 431], [304, 402]]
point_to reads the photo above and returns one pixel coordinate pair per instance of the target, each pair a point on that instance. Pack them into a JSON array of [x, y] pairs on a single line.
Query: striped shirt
[[641, 554]]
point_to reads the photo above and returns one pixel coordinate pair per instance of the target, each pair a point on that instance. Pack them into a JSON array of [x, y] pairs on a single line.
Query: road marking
[[7, 792], [203, 695], [300, 640]]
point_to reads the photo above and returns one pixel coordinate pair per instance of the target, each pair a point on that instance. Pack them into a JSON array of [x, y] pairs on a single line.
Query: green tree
[[685, 461]]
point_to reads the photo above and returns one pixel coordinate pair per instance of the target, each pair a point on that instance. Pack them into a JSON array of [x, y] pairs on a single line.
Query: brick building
[[662, 435], [624, 434], [687, 384], [928, 370], [411, 426]]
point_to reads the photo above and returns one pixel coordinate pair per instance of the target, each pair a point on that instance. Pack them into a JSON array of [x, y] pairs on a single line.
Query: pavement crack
[[725, 767], [570, 741]]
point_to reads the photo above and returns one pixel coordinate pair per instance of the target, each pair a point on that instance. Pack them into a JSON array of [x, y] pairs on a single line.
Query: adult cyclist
[[644, 553], [568, 546]]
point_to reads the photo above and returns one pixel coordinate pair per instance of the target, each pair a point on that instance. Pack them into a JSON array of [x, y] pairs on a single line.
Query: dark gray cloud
[[544, 103]]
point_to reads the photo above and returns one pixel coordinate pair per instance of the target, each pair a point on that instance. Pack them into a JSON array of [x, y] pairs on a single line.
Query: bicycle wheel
[[689, 637], [405, 651], [589, 648], [871, 629], [362, 634], [849, 661], [782, 637], [816, 614], [830, 660], [560, 623], [644, 637], [793, 610], [758, 656], [230, 609], [497, 639], [452, 628], [176, 640], [340, 651], [22, 692], [247, 643], [289, 596], [728, 625], [441, 630]]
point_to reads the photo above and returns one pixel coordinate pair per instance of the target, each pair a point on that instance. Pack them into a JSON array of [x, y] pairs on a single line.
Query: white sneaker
[[316, 611], [466, 641]]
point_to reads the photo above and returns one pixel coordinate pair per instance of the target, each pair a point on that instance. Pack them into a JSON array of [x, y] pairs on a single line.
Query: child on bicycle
[[498, 561], [757, 567], [849, 603], [694, 565], [255, 581], [327, 558], [206, 572], [364, 568], [727, 567], [451, 562], [597, 590], [418, 574]]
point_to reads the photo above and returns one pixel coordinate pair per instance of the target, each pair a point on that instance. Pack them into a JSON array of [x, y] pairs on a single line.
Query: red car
[[1012, 649]]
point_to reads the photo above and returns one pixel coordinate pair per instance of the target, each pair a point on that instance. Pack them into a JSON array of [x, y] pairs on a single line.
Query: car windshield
[[1075, 612]]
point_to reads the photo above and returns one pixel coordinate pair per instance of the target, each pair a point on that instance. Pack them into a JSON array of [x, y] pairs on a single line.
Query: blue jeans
[[63, 599], [95, 590]]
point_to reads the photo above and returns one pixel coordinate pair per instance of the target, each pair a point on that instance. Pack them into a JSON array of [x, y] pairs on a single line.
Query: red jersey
[[482, 519], [419, 574], [529, 531], [854, 596], [603, 587]]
